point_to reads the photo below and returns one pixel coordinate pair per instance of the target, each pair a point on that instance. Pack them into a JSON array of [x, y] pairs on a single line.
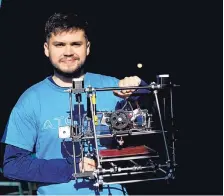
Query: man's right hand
[[88, 165]]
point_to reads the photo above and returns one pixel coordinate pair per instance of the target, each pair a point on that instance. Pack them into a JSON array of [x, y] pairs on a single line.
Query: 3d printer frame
[[114, 172]]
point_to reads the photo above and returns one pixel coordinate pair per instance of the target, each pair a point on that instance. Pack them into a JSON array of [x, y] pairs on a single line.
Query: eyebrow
[[58, 42]]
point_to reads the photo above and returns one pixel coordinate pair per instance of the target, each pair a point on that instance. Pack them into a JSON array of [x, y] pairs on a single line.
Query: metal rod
[[126, 88], [134, 162], [127, 173], [112, 135], [171, 105], [173, 149], [127, 158], [152, 86], [120, 169], [94, 132], [161, 123], [82, 154], [136, 168], [164, 165], [74, 155], [172, 122], [71, 112], [79, 104], [133, 181], [72, 132], [164, 108], [162, 170]]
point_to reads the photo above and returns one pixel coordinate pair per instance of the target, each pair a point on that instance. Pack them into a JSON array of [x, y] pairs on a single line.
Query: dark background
[[181, 38]]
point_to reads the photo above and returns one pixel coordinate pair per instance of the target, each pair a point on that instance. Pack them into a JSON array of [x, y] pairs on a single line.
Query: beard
[[75, 74]]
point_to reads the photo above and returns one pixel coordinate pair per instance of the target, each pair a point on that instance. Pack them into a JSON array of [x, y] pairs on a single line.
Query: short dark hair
[[60, 22]]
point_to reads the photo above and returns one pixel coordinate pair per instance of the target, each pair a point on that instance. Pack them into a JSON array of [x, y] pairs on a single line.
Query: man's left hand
[[127, 81]]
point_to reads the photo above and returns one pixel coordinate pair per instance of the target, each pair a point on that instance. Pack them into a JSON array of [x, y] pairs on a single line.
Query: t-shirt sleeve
[[21, 128]]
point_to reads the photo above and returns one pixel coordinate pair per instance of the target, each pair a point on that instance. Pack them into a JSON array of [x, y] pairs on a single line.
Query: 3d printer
[[121, 164]]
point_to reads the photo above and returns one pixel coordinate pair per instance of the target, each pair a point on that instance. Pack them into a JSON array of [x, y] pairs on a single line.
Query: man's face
[[67, 51]]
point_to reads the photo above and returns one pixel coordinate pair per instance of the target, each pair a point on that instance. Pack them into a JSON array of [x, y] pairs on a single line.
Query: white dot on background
[[139, 65]]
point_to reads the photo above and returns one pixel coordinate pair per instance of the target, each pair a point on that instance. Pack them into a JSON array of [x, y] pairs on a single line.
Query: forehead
[[68, 36]]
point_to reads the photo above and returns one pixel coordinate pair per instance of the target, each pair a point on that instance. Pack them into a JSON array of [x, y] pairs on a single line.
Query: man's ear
[[46, 50], [88, 48]]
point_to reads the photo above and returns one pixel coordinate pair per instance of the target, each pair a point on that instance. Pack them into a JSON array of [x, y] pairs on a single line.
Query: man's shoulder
[[33, 91]]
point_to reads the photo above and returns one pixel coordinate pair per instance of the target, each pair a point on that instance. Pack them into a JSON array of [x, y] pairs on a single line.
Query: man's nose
[[68, 51]]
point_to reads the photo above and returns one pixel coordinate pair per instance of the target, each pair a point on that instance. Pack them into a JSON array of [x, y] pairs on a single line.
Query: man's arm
[[19, 164]]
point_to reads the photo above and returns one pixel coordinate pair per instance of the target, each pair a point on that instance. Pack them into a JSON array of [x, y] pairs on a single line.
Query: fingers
[[121, 95], [127, 81], [87, 165]]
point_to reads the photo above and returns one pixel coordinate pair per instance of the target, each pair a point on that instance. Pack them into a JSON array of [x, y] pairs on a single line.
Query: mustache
[[69, 58]]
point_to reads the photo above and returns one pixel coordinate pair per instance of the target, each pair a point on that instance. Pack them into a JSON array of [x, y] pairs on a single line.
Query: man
[[34, 152]]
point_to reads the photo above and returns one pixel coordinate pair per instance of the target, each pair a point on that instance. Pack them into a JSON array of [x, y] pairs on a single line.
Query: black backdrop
[[182, 38]]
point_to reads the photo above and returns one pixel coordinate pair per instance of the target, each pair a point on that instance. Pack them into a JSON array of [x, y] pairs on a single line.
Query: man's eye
[[59, 45], [76, 44]]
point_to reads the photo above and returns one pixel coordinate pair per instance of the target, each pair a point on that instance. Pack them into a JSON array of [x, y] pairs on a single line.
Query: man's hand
[[127, 81], [88, 165]]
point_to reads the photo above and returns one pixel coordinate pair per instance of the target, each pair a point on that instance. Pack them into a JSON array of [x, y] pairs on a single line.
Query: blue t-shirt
[[35, 119]]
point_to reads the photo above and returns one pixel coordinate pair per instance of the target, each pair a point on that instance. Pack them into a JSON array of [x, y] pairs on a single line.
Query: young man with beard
[[33, 124]]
